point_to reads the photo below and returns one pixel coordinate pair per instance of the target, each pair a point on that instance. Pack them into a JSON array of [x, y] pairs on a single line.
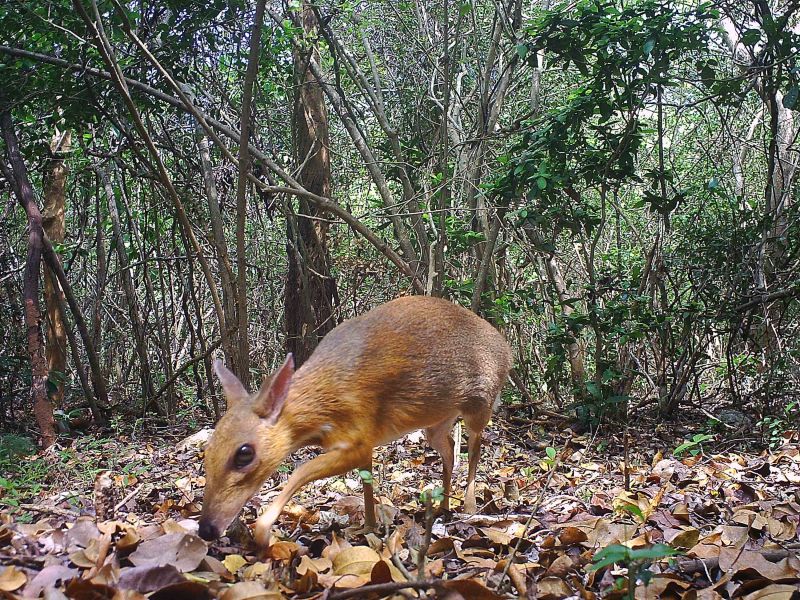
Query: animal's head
[[246, 446]]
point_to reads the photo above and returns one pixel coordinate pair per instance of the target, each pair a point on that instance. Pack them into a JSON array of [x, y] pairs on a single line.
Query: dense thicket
[[613, 184]]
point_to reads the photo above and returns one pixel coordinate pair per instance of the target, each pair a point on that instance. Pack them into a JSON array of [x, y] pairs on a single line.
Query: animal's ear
[[233, 388], [269, 401]]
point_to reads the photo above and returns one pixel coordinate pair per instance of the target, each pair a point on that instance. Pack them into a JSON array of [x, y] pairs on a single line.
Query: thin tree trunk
[[55, 179], [243, 368], [42, 407], [310, 292], [229, 345]]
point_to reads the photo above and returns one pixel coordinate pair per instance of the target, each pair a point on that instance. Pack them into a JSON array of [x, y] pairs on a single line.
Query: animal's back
[[410, 363]]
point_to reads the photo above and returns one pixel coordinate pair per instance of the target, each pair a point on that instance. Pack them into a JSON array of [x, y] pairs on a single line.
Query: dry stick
[[54, 510], [426, 541], [186, 365], [534, 508], [387, 588], [127, 498]]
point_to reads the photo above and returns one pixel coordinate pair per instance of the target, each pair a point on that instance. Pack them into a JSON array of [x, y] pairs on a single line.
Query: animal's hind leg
[[440, 439], [476, 422]]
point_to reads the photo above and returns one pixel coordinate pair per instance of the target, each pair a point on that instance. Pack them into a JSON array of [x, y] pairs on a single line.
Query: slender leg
[[331, 463], [369, 496], [440, 440], [475, 423]]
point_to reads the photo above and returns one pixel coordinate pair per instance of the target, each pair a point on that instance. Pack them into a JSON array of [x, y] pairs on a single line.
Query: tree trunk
[[42, 407], [311, 292], [55, 179], [229, 346], [243, 350]]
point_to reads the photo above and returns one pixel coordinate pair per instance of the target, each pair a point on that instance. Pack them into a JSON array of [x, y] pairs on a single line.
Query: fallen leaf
[[11, 578], [182, 550], [234, 562]]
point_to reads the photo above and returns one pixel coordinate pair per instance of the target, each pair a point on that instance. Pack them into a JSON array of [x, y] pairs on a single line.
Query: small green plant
[[693, 446], [365, 475], [637, 561], [22, 472], [774, 426], [436, 495], [550, 459]]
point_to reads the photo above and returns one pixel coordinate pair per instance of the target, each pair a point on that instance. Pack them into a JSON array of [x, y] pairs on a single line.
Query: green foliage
[[775, 426], [637, 561], [694, 446], [21, 473]]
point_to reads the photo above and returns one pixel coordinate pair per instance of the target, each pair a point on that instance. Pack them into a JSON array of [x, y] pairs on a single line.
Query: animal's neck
[[307, 412]]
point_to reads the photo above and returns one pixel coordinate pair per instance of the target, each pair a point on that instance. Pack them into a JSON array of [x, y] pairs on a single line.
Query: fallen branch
[[53, 510], [386, 588], [690, 566]]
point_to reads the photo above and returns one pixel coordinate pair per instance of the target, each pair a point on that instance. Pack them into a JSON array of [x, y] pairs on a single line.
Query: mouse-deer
[[413, 363]]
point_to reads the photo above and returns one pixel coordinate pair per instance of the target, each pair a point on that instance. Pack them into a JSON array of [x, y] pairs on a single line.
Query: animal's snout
[[207, 530]]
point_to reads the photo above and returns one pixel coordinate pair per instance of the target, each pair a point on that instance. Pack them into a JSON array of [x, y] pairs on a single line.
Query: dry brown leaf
[[356, 560], [471, 589], [552, 588], [687, 537], [774, 591], [149, 579], [234, 562], [185, 590], [747, 560], [250, 590], [571, 536], [560, 566], [497, 536], [183, 550], [11, 578], [282, 550]]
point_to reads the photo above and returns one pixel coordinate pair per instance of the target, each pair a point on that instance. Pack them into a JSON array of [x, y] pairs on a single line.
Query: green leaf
[[649, 45], [751, 37], [522, 51], [551, 452], [366, 476]]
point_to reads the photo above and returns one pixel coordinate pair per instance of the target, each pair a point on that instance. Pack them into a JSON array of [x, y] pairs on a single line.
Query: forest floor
[[556, 521]]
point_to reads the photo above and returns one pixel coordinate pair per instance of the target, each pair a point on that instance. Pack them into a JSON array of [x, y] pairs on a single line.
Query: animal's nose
[[207, 530]]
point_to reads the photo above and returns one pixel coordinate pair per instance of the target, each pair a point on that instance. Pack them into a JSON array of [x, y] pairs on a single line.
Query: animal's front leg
[[335, 462]]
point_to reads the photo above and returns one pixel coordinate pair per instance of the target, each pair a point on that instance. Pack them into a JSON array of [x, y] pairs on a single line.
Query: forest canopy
[[610, 183]]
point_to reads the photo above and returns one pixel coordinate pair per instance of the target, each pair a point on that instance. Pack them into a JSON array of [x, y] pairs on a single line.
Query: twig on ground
[[127, 498], [387, 588], [61, 512]]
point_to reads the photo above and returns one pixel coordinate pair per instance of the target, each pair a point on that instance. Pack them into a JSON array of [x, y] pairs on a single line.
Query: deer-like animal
[[413, 363]]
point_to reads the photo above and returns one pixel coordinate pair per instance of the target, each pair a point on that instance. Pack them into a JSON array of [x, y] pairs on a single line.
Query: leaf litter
[[555, 521]]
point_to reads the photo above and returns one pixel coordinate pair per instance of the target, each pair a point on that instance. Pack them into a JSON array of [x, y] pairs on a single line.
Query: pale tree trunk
[[311, 293], [42, 407], [55, 180], [229, 345]]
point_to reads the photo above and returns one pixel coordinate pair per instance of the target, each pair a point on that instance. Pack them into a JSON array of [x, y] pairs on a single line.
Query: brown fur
[[412, 363]]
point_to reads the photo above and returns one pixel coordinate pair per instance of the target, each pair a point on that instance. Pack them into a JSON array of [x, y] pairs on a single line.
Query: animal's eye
[[244, 456]]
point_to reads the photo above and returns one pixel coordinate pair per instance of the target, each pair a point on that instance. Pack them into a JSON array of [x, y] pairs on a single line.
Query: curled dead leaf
[[11, 578]]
